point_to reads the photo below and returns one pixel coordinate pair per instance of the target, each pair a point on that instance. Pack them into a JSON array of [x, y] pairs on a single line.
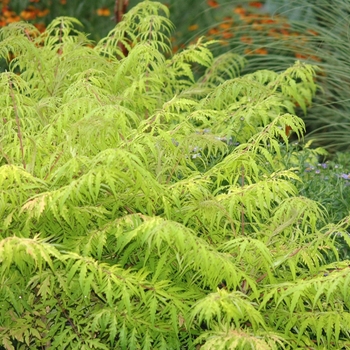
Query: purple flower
[[345, 176]]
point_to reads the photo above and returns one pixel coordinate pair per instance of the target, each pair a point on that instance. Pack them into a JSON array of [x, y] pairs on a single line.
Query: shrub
[[324, 181], [271, 33], [144, 208]]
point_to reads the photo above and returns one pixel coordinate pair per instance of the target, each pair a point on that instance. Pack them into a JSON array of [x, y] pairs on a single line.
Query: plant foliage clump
[[143, 207]]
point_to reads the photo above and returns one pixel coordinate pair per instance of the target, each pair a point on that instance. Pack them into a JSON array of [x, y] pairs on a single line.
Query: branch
[[120, 8], [19, 133]]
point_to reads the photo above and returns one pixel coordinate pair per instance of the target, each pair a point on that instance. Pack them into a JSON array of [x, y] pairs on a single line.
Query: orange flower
[[316, 58], [250, 18], [193, 27], [246, 39], [13, 19], [300, 56], [285, 32], [267, 20], [261, 51], [225, 25], [7, 13], [63, 2], [227, 35], [257, 26], [213, 3], [40, 26], [43, 13], [28, 15], [239, 10], [103, 11], [256, 4], [213, 31]]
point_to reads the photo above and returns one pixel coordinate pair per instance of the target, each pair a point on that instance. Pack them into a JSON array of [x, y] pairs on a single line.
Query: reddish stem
[[19, 133], [242, 205], [120, 9]]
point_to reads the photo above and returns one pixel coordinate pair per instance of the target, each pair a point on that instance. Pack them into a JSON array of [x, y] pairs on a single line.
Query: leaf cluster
[[143, 207], [276, 32]]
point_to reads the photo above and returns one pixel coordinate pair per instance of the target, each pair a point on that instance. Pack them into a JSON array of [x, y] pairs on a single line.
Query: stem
[[242, 205], [5, 155], [173, 170], [27, 35], [53, 165], [120, 8], [19, 133], [60, 50], [43, 78], [70, 321]]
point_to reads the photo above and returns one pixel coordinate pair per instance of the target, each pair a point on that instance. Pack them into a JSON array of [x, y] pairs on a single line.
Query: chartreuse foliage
[[145, 208]]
